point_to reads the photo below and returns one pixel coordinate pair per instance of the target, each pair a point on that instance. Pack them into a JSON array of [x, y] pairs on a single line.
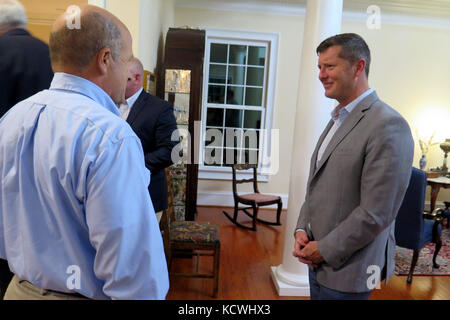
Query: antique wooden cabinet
[[181, 84]]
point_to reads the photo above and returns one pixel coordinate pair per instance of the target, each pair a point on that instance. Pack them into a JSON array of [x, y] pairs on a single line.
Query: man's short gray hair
[[137, 65], [77, 47], [353, 48], [12, 14]]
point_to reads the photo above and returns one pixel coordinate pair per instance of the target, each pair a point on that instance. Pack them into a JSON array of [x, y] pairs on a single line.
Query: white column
[[323, 19], [149, 32]]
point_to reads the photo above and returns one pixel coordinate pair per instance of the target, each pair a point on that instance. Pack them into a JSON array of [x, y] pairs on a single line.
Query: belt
[[45, 292]]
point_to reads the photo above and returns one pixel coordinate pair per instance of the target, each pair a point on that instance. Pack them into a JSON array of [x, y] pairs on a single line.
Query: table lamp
[[445, 146]]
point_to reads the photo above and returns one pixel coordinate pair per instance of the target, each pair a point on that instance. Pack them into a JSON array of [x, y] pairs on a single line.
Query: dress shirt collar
[[338, 111], [69, 82], [131, 100]]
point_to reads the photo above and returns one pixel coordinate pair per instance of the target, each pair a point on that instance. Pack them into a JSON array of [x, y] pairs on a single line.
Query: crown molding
[[439, 9], [265, 7], [399, 19], [419, 13]]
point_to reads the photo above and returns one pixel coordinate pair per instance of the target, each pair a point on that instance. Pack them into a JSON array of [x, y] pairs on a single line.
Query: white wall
[[128, 13], [409, 71], [155, 18], [148, 22]]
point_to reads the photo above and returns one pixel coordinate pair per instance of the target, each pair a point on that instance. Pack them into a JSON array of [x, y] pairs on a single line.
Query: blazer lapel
[[316, 150], [352, 120], [137, 107]]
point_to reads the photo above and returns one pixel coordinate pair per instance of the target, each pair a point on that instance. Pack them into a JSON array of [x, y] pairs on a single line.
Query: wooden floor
[[246, 258]]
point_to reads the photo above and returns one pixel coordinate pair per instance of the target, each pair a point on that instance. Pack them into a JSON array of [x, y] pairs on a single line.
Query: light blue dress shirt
[[75, 212]]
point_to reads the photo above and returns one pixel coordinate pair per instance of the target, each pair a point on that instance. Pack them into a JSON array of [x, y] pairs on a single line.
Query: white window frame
[[252, 38]]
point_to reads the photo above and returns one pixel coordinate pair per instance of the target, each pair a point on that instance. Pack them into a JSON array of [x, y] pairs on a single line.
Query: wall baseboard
[[225, 199]]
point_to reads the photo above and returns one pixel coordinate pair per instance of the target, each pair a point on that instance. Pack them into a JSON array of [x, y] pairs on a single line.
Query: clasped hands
[[306, 251]]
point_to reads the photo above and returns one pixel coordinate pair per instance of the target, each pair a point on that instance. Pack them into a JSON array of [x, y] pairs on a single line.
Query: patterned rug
[[424, 267]]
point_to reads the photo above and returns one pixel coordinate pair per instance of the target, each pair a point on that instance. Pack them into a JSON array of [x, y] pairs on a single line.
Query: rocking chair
[[253, 200]]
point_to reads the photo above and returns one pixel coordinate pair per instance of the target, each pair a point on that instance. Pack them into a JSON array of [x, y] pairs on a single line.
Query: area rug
[[424, 267]]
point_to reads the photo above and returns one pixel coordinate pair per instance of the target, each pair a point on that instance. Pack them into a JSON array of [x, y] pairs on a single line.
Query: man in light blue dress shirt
[[76, 219]]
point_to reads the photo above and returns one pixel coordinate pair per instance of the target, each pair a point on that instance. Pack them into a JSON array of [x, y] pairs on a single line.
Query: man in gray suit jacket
[[359, 173]]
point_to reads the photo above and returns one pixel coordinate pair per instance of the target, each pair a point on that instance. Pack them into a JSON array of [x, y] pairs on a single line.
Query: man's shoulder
[[75, 108], [382, 110], [384, 118], [154, 106], [20, 37], [155, 101]]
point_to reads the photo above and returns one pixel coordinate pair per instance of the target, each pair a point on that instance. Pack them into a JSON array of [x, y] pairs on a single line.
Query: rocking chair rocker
[[253, 200]]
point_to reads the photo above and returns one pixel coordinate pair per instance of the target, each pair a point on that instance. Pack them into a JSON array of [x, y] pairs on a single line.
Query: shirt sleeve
[[122, 224]]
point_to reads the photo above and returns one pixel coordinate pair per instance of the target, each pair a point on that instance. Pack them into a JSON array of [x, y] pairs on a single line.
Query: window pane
[[233, 138], [256, 56], [236, 84], [213, 137], [216, 94], [231, 156], [233, 118], [251, 139], [235, 95], [255, 76], [214, 117], [212, 157], [218, 53], [253, 96], [252, 119], [238, 54], [217, 73], [236, 75], [250, 156]]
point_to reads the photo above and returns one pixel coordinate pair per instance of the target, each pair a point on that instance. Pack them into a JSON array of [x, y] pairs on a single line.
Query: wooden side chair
[[253, 200], [165, 233], [188, 239]]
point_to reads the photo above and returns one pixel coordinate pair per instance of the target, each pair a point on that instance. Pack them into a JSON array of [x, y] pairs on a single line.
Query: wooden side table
[[436, 185]]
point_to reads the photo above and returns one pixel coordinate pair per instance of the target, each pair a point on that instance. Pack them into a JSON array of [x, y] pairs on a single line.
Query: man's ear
[[104, 59], [360, 67], [139, 78]]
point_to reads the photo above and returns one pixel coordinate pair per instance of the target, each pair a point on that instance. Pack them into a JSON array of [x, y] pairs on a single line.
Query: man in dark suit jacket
[[25, 69], [153, 121]]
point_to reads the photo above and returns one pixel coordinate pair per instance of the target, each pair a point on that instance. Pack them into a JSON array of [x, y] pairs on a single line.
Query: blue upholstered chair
[[413, 228], [447, 213]]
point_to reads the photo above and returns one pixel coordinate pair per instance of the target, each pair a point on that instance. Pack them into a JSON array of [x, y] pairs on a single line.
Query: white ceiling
[[423, 8]]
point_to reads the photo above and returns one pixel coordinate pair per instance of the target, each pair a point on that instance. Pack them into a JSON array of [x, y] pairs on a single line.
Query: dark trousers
[[5, 277], [319, 292]]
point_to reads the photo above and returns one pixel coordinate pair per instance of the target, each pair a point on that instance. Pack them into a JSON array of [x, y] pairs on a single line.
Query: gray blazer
[[354, 194]]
